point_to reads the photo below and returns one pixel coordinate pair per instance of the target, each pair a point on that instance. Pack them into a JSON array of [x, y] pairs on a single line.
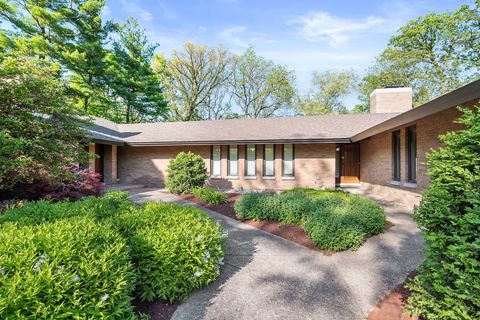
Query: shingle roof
[[328, 128]]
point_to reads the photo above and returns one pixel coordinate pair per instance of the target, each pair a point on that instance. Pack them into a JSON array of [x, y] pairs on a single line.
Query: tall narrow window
[[233, 161], [412, 154], [268, 160], [287, 163], [216, 169], [250, 159], [396, 155]]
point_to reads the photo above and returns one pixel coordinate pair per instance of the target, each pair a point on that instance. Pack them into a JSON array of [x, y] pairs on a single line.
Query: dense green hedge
[[209, 195], [334, 220], [174, 249], [86, 259], [185, 173], [448, 283]]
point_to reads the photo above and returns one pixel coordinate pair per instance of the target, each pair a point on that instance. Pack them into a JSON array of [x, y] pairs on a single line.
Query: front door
[[349, 162]]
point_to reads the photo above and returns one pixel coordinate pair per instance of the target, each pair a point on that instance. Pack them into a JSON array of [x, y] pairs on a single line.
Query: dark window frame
[[265, 161], [293, 161], [411, 158], [228, 161], [396, 156], [211, 161], [246, 160]]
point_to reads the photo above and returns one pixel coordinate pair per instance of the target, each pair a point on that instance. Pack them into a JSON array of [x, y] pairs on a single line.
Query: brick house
[[383, 151]]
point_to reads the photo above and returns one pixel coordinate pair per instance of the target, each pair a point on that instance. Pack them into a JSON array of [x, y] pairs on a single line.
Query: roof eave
[[225, 142], [467, 93]]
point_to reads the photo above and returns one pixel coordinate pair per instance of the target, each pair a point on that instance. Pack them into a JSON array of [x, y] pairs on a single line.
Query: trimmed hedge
[[210, 196], [185, 173], [334, 220], [75, 269], [85, 259], [175, 249]]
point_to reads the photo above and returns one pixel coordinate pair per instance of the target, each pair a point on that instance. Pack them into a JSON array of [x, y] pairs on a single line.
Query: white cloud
[[132, 8], [231, 35], [320, 25], [106, 12]]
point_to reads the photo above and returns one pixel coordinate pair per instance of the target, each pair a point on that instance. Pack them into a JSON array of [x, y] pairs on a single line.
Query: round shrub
[[185, 173], [68, 269], [210, 196], [258, 206], [175, 249], [296, 205]]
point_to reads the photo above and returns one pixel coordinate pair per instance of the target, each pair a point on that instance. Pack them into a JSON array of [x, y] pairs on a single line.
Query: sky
[[303, 35]]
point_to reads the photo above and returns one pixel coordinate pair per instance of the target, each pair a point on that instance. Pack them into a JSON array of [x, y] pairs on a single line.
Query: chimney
[[394, 99]]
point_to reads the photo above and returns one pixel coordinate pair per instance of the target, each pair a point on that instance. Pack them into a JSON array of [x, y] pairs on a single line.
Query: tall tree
[[259, 87], [433, 54], [40, 131], [327, 91], [135, 85], [193, 79]]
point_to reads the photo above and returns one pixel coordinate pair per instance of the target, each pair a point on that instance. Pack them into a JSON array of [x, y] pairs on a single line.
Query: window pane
[[396, 155], [251, 170], [216, 161], [269, 160], [287, 160], [233, 161], [412, 153]]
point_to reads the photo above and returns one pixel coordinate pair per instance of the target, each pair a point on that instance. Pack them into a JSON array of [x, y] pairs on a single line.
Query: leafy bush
[[448, 283], [175, 249], [210, 196], [73, 268], [77, 184], [334, 220], [258, 206], [185, 173], [171, 251]]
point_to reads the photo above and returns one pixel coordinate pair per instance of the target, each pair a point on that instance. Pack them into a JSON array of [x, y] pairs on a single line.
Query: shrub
[[448, 283], [73, 268], [185, 173], [258, 206], [334, 220], [175, 249], [210, 196]]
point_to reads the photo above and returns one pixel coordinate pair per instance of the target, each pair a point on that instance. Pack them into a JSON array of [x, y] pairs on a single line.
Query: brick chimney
[[389, 100]]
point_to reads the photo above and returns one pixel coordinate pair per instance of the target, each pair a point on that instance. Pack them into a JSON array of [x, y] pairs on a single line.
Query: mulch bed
[[292, 232], [157, 309], [391, 306]]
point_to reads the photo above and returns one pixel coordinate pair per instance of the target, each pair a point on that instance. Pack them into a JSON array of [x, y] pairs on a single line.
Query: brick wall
[[376, 152], [314, 166]]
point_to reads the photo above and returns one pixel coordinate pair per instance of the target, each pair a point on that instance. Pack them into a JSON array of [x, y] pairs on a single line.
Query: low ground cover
[[90, 258], [334, 220], [210, 196]]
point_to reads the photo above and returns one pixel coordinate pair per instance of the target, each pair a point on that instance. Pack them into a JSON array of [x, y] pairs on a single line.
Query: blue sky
[[303, 35]]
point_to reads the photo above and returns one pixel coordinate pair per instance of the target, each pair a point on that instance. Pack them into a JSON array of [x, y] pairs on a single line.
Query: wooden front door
[[349, 163]]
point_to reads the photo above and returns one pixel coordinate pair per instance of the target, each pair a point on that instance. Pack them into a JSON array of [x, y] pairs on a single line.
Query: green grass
[[334, 220]]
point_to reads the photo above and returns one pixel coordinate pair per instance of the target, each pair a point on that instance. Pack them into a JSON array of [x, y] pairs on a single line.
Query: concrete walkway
[[268, 277]]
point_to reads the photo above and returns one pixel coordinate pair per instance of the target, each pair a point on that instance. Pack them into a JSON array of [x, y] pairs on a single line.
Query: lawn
[[91, 258]]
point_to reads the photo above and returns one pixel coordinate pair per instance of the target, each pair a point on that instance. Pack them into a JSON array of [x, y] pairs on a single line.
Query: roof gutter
[[467, 93], [224, 142]]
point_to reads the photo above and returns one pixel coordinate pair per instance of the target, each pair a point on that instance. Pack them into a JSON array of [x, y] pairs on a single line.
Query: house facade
[[384, 150]]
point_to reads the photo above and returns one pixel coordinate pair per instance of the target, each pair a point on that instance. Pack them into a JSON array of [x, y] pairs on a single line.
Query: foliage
[[171, 251], [175, 249], [185, 173], [81, 183], [132, 78], [210, 196], [192, 78], [433, 54], [259, 87], [333, 220], [328, 89], [72, 268], [448, 284], [40, 131], [258, 206]]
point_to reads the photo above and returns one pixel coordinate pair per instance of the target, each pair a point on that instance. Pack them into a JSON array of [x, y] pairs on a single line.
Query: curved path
[[268, 277]]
